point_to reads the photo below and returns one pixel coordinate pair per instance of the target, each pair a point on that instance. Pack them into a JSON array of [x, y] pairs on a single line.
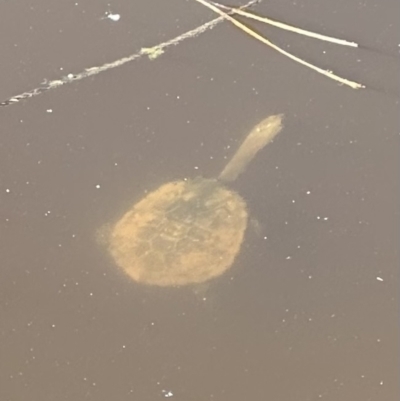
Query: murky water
[[309, 309]]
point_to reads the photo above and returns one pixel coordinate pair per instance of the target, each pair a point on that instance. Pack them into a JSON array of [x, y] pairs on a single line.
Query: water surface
[[309, 310]]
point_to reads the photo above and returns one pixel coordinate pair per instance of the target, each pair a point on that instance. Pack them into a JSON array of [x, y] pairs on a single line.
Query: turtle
[[188, 231]]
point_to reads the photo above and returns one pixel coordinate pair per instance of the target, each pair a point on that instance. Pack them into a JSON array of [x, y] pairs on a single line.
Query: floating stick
[[152, 53], [329, 74], [287, 27]]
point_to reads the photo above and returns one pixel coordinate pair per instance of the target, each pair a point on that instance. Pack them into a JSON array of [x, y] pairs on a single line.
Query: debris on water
[[112, 17]]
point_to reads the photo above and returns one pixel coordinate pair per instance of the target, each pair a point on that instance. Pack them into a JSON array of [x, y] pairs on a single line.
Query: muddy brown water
[[310, 309]]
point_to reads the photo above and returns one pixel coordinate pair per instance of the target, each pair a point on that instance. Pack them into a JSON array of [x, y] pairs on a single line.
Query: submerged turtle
[[188, 231]]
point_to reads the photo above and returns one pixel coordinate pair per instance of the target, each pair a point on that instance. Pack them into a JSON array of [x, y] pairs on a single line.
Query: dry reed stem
[[287, 27], [329, 74]]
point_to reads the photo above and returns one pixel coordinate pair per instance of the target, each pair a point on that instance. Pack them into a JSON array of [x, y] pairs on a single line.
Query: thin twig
[[152, 53], [287, 27], [329, 74]]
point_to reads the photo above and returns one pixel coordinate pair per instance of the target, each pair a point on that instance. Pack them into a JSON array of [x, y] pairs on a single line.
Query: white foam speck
[[113, 17]]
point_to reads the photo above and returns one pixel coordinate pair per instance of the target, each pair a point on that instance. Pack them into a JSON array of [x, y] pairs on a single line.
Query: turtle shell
[[184, 232]]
